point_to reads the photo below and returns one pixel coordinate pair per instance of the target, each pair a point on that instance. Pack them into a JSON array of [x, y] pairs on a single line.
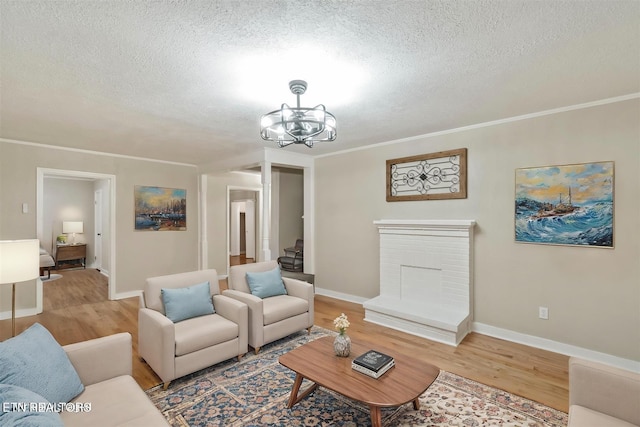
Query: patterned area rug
[[254, 392]]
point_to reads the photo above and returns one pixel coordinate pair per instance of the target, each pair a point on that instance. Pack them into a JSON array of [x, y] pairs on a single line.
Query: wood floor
[[76, 309]]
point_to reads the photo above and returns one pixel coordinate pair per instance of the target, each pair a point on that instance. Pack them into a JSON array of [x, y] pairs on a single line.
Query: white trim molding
[[519, 338], [605, 101], [555, 346], [341, 296], [93, 152]]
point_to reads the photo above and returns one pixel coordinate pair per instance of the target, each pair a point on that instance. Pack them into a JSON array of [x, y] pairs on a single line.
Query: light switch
[[25, 208]]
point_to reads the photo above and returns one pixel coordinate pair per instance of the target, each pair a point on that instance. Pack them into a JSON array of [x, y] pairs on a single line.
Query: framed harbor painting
[[565, 205], [441, 175], [160, 209]]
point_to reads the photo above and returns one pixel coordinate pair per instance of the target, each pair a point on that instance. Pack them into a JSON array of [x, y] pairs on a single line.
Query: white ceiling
[[187, 81]]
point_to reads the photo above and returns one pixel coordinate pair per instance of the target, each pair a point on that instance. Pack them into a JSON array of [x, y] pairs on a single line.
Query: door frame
[[111, 197], [97, 219], [258, 220]]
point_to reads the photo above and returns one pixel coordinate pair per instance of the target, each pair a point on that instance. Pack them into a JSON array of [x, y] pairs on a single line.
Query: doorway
[[242, 225], [242, 229], [96, 216]]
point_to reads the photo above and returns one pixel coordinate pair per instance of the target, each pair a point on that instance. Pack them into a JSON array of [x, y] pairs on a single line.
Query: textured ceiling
[[187, 81]]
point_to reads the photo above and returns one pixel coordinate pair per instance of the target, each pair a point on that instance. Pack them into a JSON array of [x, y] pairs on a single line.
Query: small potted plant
[[342, 343]]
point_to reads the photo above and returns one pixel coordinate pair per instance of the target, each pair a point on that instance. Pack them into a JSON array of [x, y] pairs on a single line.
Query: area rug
[[51, 278], [254, 392]]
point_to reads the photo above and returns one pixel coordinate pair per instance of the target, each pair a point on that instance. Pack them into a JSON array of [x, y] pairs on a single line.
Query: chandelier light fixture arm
[[298, 125]]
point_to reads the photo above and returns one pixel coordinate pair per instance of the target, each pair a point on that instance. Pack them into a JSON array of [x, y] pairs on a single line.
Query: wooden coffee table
[[317, 362]]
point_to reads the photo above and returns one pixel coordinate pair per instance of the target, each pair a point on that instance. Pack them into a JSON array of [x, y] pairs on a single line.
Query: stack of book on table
[[373, 363]]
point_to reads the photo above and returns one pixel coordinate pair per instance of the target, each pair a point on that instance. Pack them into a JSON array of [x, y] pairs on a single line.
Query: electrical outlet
[[543, 313]]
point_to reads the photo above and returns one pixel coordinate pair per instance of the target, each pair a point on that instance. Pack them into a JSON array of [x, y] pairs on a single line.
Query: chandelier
[[298, 125]]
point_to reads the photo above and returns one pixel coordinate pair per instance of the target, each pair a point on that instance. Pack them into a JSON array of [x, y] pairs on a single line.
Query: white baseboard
[[555, 346], [340, 296], [23, 312], [131, 294], [520, 338]]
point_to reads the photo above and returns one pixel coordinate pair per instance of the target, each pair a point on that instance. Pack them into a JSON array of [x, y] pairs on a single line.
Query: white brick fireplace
[[426, 278]]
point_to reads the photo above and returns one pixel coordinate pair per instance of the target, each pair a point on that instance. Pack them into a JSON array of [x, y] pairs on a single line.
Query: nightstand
[[71, 254]]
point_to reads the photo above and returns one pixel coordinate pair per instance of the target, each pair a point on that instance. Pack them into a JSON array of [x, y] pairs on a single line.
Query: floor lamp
[[19, 262]]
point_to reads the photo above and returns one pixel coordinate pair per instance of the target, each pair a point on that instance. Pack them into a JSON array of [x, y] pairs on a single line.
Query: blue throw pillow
[[185, 303], [19, 407], [266, 284], [34, 360]]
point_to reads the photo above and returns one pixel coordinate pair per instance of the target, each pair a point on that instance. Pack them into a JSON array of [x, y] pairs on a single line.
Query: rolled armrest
[[606, 389], [103, 358]]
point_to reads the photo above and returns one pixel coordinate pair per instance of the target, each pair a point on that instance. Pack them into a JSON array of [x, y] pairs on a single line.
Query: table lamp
[[72, 227], [19, 262]]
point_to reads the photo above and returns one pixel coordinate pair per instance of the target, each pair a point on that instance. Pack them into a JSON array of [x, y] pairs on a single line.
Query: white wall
[[593, 294]]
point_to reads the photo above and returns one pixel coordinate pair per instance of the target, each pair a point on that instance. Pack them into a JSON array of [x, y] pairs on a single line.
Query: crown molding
[[492, 123], [95, 153]]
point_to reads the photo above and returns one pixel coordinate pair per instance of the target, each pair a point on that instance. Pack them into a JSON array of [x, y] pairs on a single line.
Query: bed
[[46, 262]]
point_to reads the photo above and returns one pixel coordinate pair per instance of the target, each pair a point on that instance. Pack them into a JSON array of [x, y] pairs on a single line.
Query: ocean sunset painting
[[565, 205]]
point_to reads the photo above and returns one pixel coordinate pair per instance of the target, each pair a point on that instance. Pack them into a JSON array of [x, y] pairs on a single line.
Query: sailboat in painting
[[562, 208]]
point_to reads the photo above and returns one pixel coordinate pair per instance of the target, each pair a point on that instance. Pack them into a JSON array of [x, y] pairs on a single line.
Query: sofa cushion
[[202, 332], [34, 360], [31, 416], [117, 401], [266, 284], [579, 416], [282, 307], [185, 303]]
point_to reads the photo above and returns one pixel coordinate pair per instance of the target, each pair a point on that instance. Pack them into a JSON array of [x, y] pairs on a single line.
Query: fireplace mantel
[[426, 275]]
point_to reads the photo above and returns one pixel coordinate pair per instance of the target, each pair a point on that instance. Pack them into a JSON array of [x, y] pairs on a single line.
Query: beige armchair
[[173, 350], [274, 317], [601, 395]]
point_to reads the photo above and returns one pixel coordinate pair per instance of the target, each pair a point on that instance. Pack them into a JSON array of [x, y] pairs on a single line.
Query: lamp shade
[[19, 260], [71, 227]]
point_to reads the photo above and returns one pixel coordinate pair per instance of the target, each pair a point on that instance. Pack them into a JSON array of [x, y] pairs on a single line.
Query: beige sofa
[[104, 366], [602, 396], [274, 317]]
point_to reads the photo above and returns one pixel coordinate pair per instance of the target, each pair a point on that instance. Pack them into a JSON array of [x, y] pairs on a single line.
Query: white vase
[[342, 345]]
